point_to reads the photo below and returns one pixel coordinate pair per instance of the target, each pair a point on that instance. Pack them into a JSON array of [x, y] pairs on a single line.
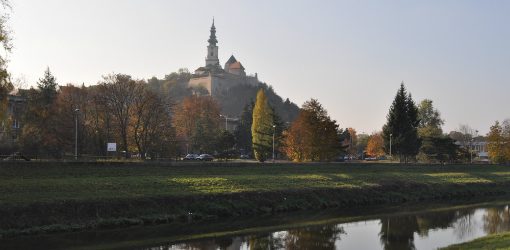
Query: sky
[[351, 56]]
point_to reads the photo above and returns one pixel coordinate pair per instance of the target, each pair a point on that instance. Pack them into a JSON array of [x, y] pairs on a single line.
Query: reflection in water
[[398, 233], [322, 237], [388, 231], [497, 220]]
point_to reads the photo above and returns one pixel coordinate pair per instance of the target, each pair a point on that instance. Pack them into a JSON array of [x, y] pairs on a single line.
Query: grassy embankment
[[59, 197], [490, 242]]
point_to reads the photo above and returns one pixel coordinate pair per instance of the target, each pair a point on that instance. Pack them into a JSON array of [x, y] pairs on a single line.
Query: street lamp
[[76, 137], [471, 147], [226, 123], [390, 146], [274, 129]]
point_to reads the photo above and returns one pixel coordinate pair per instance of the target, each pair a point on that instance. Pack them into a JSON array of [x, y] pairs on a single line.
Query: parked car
[[205, 157], [190, 157], [244, 157], [339, 159]]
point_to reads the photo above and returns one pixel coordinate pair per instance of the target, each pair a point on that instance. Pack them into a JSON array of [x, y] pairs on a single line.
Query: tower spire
[[212, 38]]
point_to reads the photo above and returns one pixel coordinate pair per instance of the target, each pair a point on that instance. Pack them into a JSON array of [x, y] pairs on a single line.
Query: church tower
[[212, 49]]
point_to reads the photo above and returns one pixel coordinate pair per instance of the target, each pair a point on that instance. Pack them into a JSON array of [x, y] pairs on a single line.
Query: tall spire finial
[[212, 38]]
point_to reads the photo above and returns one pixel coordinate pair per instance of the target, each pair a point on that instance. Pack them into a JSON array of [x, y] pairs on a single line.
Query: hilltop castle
[[217, 79]]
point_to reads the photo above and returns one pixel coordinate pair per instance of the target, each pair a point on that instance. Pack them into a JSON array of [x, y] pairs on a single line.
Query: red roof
[[236, 65]]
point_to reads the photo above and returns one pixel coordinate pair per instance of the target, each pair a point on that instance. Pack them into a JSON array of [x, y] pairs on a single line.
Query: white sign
[[112, 146]]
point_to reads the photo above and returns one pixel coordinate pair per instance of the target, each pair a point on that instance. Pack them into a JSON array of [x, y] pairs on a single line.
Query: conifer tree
[[243, 133], [260, 118], [402, 124]]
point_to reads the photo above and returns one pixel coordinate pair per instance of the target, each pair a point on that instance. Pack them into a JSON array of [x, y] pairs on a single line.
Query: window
[[212, 53], [235, 127], [15, 123]]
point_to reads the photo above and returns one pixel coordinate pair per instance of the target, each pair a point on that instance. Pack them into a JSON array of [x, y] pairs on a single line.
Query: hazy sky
[[350, 55]]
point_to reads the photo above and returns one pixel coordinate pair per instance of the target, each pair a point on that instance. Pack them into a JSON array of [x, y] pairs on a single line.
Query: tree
[[464, 134], [243, 134], [375, 145], [353, 141], [151, 120], [296, 144], [260, 119], [205, 131], [402, 125], [117, 98], [498, 144], [440, 148], [190, 110], [313, 135], [225, 144], [5, 82], [430, 119]]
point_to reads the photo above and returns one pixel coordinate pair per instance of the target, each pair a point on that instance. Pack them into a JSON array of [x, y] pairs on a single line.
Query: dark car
[[244, 157], [205, 157], [339, 159], [190, 157]]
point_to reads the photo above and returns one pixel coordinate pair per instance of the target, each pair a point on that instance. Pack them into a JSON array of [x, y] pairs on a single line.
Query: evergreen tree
[[243, 133], [204, 133], [260, 119], [402, 125], [48, 88], [225, 142]]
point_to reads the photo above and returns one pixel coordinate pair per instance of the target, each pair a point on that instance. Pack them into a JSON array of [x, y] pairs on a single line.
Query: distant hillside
[[232, 102]]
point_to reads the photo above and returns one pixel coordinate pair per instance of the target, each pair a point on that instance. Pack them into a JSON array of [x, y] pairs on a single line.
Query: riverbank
[[499, 241], [48, 198]]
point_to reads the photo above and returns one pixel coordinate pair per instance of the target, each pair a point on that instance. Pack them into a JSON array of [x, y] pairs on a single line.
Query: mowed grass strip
[[22, 184], [490, 242]]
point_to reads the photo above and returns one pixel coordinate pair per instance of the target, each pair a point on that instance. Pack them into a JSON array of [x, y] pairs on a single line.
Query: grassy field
[[25, 184], [61, 193]]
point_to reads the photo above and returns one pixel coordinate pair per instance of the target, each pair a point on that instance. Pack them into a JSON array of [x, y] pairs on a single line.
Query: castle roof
[[236, 65], [231, 60]]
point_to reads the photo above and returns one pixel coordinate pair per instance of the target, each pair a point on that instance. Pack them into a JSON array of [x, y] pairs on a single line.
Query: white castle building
[[217, 79]]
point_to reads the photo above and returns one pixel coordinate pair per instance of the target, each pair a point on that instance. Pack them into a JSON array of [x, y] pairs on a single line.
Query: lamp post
[[76, 137], [390, 146], [471, 147], [274, 129], [226, 123]]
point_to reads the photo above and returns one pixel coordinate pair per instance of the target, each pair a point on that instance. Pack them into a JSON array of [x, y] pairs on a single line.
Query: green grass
[[490, 242], [27, 184], [42, 194]]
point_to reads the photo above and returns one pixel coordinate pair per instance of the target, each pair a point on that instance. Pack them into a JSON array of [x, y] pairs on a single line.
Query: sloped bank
[[73, 214]]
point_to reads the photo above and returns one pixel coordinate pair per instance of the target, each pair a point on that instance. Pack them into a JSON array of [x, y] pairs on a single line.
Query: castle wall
[[201, 81]]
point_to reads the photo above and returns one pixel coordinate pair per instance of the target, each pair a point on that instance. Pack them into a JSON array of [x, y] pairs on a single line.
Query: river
[[407, 226]]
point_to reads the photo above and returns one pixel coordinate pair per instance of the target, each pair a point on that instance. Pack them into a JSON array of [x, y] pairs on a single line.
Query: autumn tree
[[375, 145], [313, 135], [151, 120], [117, 98], [5, 82], [260, 120], [402, 125], [498, 144], [354, 140], [296, 144], [190, 110]]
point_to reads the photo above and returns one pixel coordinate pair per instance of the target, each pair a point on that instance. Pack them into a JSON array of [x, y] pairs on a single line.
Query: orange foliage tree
[[313, 135], [375, 144], [190, 111]]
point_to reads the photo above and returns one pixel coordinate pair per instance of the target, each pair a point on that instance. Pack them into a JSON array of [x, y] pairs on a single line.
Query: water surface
[[409, 226]]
